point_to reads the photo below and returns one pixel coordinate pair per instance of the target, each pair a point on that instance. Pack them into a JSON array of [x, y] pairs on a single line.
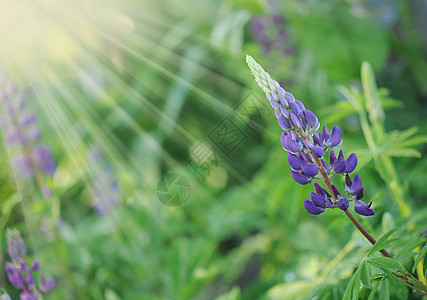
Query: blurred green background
[[162, 90]]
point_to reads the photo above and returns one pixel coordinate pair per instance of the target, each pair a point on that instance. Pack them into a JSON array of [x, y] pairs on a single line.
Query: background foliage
[[148, 81]]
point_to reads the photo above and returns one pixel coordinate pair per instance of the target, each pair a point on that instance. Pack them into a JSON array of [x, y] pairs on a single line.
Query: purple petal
[[294, 108], [318, 188], [284, 111], [332, 157], [29, 280], [316, 140], [46, 284], [335, 191], [281, 93], [291, 146], [284, 123], [310, 170], [290, 97], [273, 101], [351, 163], [363, 209], [336, 137], [317, 199], [342, 203], [311, 208], [300, 178], [27, 119], [15, 277], [295, 120], [27, 296], [325, 165], [316, 151], [309, 118], [300, 105], [325, 134], [294, 161], [45, 160], [35, 265], [277, 113], [359, 194], [356, 184], [339, 166]]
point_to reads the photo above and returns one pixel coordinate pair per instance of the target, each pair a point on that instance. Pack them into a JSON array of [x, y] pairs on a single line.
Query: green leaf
[[352, 291], [384, 292], [402, 152], [385, 263], [373, 103], [422, 253], [381, 243], [365, 274]]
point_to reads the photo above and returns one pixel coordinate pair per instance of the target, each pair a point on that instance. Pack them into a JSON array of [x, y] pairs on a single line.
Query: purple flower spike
[[350, 163], [46, 284], [317, 199], [311, 208], [363, 209], [300, 178], [284, 123], [295, 162], [310, 169], [343, 203]]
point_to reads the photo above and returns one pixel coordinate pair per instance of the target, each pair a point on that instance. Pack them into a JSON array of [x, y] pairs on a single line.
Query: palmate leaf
[[385, 263], [399, 143]]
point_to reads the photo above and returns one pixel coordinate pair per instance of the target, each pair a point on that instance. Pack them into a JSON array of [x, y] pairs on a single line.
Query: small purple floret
[[300, 178], [363, 209], [311, 208]]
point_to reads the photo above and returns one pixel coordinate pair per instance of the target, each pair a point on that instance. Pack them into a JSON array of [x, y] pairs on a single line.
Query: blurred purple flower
[[104, 188], [19, 273], [22, 136], [271, 33]]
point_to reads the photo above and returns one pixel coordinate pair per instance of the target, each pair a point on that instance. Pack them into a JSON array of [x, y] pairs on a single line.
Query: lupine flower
[[19, 273], [22, 137], [306, 149], [270, 32], [105, 187]]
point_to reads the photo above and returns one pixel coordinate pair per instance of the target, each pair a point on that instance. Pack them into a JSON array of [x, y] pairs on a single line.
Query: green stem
[[407, 277]]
